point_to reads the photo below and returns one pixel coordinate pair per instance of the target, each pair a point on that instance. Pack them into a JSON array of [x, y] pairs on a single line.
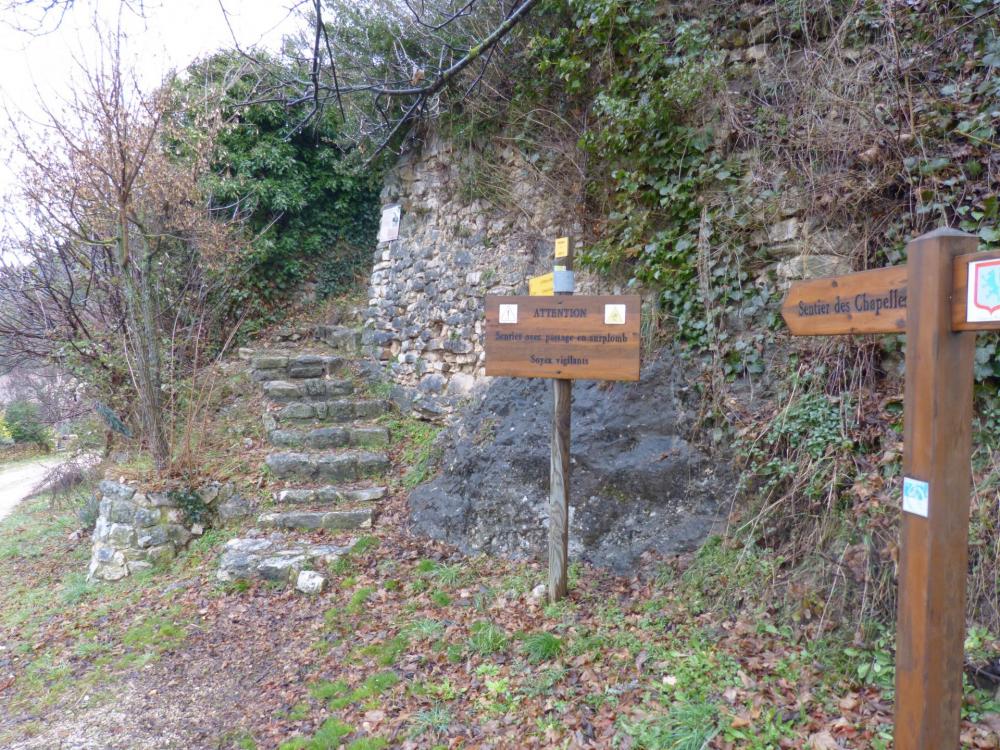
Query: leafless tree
[[384, 64], [108, 275], [38, 17]]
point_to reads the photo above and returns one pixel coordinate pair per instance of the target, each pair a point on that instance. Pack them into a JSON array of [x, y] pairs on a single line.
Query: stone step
[[283, 366], [308, 520], [347, 466], [275, 558], [308, 389], [343, 410], [340, 338], [348, 436], [329, 495]]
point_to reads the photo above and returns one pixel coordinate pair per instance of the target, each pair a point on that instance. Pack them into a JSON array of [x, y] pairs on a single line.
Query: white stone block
[[310, 582]]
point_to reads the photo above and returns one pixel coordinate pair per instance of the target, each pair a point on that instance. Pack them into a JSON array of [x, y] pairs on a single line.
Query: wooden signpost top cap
[[943, 232]]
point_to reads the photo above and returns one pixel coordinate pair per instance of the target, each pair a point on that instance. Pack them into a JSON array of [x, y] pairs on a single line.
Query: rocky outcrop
[[137, 530], [639, 480]]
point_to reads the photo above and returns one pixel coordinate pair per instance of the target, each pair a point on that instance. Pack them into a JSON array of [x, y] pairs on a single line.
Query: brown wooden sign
[[866, 302], [563, 337], [875, 301], [942, 296]]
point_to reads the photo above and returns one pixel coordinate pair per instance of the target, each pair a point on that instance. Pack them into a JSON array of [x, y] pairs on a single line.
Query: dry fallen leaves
[[823, 741]]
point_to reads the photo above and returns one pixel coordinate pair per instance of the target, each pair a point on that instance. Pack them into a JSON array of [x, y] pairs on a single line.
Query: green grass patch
[[327, 689], [329, 736], [441, 598], [418, 452], [388, 652], [342, 566], [369, 743], [436, 720], [685, 727], [299, 712], [487, 638], [449, 575], [723, 576], [373, 685], [539, 647], [365, 544], [425, 629], [359, 598], [149, 639]]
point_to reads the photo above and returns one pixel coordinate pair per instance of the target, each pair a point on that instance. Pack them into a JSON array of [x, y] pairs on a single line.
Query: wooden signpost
[[563, 337], [944, 294]]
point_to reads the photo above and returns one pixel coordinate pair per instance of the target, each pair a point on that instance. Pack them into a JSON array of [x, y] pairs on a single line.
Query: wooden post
[[559, 490], [562, 391], [934, 551]]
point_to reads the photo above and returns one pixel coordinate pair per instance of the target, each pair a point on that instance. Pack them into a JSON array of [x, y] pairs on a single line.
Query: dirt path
[[19, 480]]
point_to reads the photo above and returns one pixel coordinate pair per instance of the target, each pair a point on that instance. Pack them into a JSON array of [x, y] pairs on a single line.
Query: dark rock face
[[637, 482]]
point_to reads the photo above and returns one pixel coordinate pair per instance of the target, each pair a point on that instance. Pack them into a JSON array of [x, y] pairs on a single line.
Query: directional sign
[[876, 301], [566, 337], [866, 302], [542, 286], [939, 299]]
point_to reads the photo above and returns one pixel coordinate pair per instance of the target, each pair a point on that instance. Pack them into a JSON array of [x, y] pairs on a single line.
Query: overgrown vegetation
[[309, 207]]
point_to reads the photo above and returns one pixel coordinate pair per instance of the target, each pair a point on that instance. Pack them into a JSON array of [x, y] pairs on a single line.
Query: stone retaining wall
[[138, 530], [425, 314]]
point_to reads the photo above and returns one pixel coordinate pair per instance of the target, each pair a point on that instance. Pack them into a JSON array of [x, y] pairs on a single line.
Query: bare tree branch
[[395, 59]]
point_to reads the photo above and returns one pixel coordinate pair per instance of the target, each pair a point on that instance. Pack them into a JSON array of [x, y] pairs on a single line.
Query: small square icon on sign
[[916, 496], [508, 313], [614, 315]]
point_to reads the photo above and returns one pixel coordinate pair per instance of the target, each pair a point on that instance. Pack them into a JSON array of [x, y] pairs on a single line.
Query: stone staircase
[[328, 452]]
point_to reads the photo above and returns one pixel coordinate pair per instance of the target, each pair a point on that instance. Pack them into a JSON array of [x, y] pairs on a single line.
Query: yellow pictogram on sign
[[542, 286]]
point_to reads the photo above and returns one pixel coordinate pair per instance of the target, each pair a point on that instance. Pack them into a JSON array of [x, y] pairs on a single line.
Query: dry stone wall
[[425, 316], [424, 320], [137, 530]]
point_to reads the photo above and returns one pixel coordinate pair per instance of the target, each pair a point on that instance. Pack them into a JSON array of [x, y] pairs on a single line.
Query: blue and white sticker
[[916, 496]]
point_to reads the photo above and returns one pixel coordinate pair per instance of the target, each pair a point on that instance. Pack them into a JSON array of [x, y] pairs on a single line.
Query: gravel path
[[17, 481]]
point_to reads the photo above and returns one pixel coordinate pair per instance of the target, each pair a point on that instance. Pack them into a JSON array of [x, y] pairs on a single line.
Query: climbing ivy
[[648, 77]]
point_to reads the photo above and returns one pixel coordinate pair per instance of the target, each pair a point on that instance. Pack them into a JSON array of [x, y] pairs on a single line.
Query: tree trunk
[[141, 321], [158, 444]]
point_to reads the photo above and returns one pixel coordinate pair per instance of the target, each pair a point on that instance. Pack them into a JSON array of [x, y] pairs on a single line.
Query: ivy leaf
[[989, 234]]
